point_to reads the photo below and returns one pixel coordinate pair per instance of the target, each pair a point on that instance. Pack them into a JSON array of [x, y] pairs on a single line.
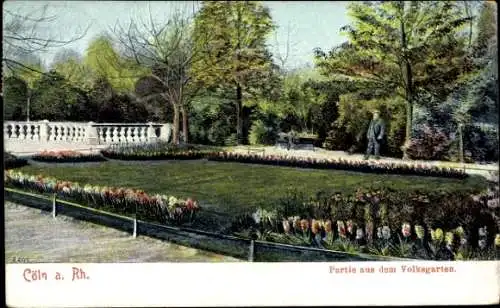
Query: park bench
[[297, 143], [304, 144]]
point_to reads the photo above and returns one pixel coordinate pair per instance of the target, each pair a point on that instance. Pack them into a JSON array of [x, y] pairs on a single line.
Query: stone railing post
[[91, 134], [44, 131], [151, 133], [165, 132]]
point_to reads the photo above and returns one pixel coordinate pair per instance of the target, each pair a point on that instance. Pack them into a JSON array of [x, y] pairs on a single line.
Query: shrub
[[157, 151], [11, 161], [66, 156], [261, 134], [430, 143]]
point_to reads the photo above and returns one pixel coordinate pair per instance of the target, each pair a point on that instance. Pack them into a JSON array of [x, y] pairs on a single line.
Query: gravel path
[[35, 237]]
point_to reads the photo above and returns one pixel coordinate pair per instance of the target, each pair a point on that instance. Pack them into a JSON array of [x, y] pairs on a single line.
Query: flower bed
[[156, 208], [11, 161], [156, 151], [66, 157], [437, 227], [338, 164]]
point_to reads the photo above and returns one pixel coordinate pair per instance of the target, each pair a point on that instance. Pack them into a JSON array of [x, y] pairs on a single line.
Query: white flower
[[386, 232], [483, 231], [482, 244], [379, 232], [256, 217], [463, 241], [359, 234], [66, 189]]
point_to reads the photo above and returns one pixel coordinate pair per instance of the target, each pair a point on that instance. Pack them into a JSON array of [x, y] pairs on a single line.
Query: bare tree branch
[[23, 34]]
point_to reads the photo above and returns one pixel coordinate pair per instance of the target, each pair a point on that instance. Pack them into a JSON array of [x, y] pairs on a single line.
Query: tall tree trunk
[[175, 133], [239, 114], [28, 105], [408, 87], [185, 128]]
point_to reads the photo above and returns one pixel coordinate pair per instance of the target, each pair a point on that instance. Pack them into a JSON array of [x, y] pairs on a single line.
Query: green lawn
[[232, 187]]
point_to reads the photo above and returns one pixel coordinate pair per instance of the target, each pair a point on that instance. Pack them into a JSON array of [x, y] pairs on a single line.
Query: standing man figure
[[375, 134]]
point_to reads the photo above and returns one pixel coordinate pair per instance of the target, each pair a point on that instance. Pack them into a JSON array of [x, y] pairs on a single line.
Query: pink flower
[[350, 226], [341, 228], [406, 229]]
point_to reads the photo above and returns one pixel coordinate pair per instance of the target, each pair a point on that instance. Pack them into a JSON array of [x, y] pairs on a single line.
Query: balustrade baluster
[[37, 132], [55, 131], [126, 134], [112, 134], [65, 133], [119, 133], [100, 133], [106, 134], [22, 132], [17, 133], [82, 133], [133, 134], [30, 134], [139, 134], [144, 134]]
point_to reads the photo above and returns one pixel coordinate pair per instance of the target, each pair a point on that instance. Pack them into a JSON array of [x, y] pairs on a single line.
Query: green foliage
[[399, 48], [260, 134], [211, 120], [14, 97], [104, 61], [236, 57], [349, 130], [52, 98]]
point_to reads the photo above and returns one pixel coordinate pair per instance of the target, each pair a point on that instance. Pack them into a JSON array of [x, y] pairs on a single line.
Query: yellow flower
[[328, 226], [419, 231], [449, 238], [459, 231], [315, 226], [437, 235], [304, 224], [497, 240]]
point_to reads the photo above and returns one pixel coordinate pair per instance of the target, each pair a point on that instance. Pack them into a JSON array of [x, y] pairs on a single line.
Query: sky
[[311, 24]]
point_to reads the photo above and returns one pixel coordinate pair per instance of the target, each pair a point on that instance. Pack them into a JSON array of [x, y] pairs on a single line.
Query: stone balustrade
[[86, 133]]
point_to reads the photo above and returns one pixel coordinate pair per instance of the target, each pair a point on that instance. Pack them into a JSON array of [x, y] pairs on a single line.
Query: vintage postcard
[[250, 153]]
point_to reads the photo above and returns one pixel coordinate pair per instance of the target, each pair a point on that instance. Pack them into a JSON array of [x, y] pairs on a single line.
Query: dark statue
[[375, 134]]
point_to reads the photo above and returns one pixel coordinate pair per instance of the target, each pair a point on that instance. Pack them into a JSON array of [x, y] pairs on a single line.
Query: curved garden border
[[242, 248], [381, 168]]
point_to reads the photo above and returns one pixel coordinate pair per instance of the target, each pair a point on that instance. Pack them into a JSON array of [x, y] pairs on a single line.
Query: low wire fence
[[238, 247]]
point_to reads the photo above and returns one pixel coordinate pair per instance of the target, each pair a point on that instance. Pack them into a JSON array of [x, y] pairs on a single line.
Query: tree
[[14, 97], [412, 49], [24, 34], [237, 57], [27, 69], [52, 97], [167, 50], [69, 64], [104, 61]]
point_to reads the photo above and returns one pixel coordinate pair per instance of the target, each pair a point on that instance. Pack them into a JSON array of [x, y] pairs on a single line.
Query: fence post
[[151, 133], [251, 252], [54, 206], [91, 136], [165, 132], [134, 234], [44, 130]]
